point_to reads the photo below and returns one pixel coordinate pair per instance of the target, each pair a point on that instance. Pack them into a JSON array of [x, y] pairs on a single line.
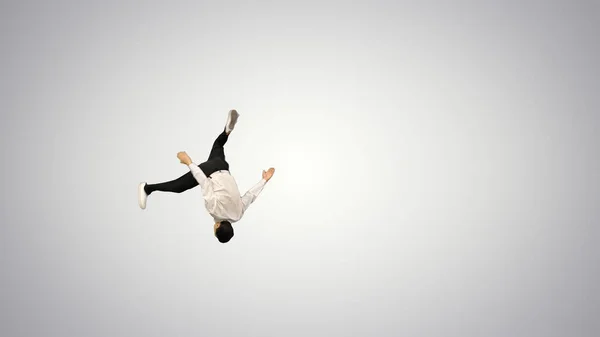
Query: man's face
[[215, 228]]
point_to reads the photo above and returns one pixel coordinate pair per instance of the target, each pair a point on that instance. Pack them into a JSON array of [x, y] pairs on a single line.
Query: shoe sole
[[142, 196], [233, 117]]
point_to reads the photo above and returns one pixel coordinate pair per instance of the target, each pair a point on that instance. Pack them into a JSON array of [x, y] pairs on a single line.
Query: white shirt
[[222, 196]]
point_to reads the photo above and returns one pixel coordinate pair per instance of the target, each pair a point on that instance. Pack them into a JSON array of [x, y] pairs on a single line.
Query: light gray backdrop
[[437, 168]]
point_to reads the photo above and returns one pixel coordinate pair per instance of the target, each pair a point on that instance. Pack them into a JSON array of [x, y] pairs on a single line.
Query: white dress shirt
[[222, 196]]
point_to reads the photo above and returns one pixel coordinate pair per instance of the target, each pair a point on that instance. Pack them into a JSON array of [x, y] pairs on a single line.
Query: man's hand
[[184, 158], [267, 175]]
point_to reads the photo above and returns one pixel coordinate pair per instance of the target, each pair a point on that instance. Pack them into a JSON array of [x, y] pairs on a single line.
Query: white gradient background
[[437, 168]]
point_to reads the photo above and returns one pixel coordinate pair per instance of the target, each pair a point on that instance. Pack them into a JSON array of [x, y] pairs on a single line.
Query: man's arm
[[196, 171], [199, 175], [250, 196]]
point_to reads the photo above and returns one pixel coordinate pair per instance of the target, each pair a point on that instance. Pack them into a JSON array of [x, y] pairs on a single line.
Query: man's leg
[[218, 150], [181, 184], [216, 159]]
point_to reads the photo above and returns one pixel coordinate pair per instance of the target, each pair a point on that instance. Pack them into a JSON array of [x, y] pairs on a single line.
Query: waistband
[[218, 172]]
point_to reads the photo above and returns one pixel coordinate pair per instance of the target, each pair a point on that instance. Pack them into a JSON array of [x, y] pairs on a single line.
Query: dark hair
[[225, 231]]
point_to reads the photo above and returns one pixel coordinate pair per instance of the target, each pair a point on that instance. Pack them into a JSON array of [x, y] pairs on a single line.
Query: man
[[219, 189]]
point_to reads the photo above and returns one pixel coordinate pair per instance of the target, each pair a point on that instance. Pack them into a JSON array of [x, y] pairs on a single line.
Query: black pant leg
[[218, 150], [181, 184]]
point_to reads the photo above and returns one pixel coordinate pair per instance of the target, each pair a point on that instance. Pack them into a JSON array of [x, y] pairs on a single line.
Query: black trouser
[[216, 162]]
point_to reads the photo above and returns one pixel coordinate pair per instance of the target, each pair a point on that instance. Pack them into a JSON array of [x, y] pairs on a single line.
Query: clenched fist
[[267, 175], [184, 158]]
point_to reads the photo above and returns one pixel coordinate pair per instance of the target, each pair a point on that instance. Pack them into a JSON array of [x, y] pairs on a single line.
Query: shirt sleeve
[[250, 196], [198, 175]]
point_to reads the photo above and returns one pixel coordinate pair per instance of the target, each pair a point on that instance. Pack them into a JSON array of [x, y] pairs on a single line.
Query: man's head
[[223, 231]]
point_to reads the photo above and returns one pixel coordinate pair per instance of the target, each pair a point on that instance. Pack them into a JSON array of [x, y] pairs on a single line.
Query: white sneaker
[[231, 120], [142, 196]]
